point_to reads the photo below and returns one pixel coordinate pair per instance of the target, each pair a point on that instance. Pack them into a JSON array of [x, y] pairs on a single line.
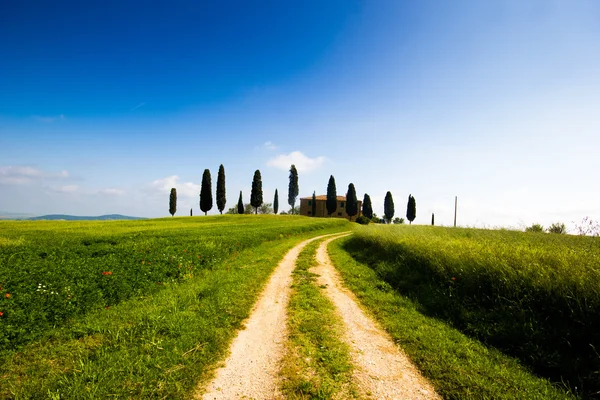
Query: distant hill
[[80, 218]]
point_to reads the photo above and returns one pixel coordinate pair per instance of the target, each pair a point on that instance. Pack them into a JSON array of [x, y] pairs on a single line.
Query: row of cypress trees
[[388, 208], [256, 197], [206, 199]]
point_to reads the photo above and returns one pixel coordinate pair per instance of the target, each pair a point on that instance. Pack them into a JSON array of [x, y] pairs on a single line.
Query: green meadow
[[131, 308], [532, 296], [147, 309]]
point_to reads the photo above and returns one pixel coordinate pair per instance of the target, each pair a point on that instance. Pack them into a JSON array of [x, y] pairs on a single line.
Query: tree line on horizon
[[257, 202]]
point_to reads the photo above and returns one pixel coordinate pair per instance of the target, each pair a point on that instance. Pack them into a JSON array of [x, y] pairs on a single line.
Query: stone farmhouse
[[321, 209]]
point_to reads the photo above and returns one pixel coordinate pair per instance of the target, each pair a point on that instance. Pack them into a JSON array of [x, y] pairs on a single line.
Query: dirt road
[[251, 371]]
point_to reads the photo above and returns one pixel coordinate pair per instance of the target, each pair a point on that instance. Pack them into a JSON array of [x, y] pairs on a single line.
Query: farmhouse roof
[[324, 197]]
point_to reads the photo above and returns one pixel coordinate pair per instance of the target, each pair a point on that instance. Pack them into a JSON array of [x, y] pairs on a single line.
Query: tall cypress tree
[[256, 196], [411, 209], [314, 205], [206, 201], [276, 202], [432, 219], [191, 212], [173, 202], [331, 202], [367, 207], [351, 201], [293, 187], [240, 206], [221, 198], [388, 207]]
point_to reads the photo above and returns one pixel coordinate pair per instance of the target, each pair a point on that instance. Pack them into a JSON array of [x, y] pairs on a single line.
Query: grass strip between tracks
[[317, 364]]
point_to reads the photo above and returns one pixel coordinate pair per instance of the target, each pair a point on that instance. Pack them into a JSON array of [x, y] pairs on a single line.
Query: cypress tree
[[173, 202], [314, 205], [240, 206], [276, 202], [221, 198], [256, 196], [432, 219], [367, 207], [206, 201], [388, 207], [293, 187], [191, 212], [331, 202], [351, 201], [411, 209]]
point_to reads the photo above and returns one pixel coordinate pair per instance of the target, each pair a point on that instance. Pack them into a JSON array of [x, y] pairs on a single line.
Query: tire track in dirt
[[382, 370], [252, 369]]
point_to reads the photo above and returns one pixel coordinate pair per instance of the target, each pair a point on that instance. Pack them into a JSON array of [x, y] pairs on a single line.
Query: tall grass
[[534, 296]]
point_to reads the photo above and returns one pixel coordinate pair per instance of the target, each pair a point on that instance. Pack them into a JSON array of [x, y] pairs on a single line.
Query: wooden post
[[455, 207]]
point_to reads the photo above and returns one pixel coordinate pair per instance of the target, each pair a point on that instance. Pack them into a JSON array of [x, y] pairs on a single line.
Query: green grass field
[[131, 309], [146, 309], [533, 296]]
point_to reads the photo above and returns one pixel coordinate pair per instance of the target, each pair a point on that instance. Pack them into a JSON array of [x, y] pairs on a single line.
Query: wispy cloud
[[164, 185], [48, 119], [20, 175], [138, 106], [302, 162], [68, 189], [111, 192], [270, 145]]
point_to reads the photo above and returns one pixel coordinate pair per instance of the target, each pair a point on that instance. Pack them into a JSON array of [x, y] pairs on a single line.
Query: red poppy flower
[[7, 295], [453, 278], [107, 273], [1, 313]]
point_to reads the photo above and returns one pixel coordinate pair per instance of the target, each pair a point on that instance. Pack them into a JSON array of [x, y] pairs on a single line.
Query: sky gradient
[[107, 105]]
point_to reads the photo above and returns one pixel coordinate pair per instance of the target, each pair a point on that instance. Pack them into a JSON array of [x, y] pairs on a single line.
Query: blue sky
[[107, 105]]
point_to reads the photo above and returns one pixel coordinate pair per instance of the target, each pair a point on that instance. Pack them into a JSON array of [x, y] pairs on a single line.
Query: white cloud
[[164, 185], [112, 192], [20, 175], [68, 189], [302, 162]]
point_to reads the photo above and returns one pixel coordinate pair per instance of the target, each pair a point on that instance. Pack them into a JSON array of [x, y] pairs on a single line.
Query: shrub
[[535, 228], [557, 227], [363, 220]]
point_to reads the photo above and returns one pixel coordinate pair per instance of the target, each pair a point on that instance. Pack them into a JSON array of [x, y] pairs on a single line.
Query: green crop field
[[135, 308], [533, 296]]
